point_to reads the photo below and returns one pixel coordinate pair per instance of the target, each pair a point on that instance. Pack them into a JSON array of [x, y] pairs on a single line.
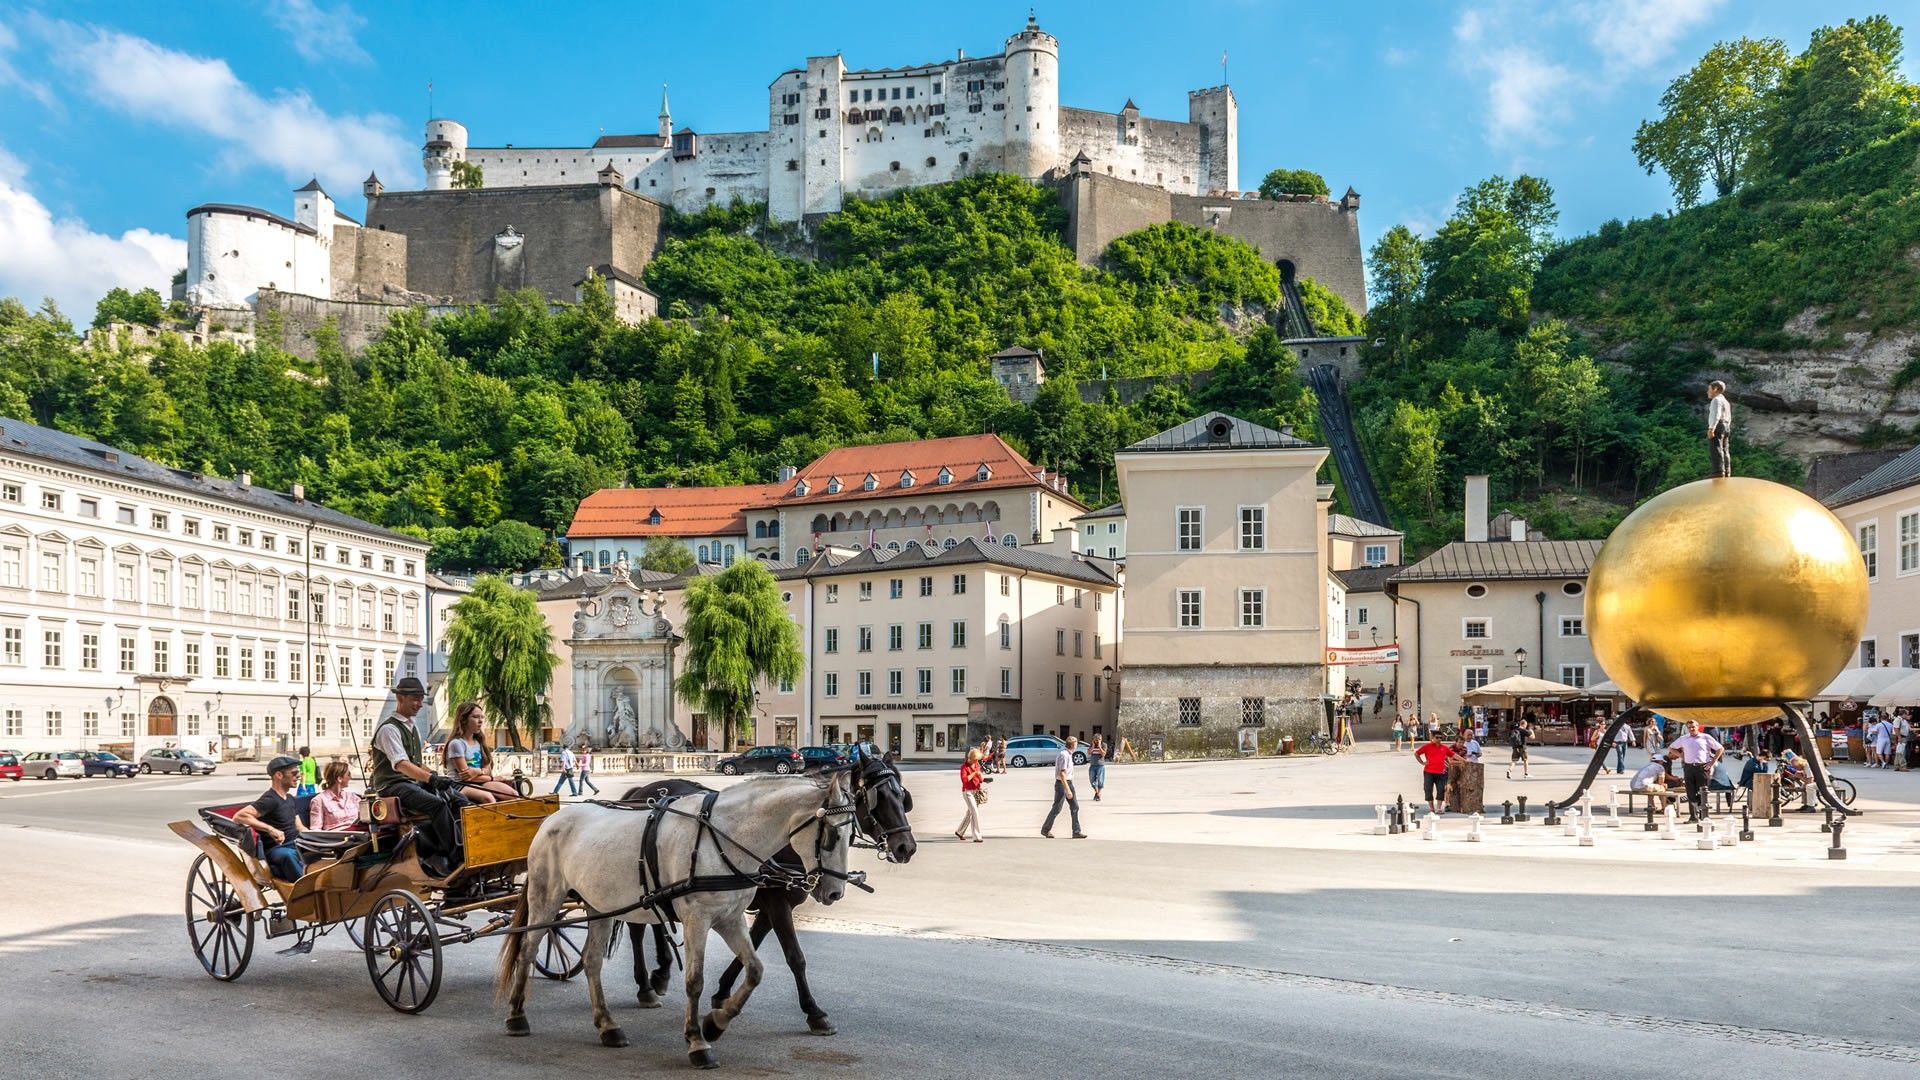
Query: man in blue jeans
[[275, 816], [1063, 791]]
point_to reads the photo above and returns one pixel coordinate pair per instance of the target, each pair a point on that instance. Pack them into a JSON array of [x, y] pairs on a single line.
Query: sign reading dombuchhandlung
[[1372, 654]]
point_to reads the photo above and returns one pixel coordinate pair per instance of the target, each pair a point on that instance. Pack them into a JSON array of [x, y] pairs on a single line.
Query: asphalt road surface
[[1229, 919]]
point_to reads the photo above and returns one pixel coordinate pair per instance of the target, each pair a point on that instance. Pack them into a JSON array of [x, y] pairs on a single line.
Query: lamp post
[[112, 703], [1520, 654], [293, 711]]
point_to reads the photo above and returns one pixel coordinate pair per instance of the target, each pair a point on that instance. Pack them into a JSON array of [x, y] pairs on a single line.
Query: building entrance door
[[700, 731], [162, 719], [922, 737], [893, 738], [786, 730]]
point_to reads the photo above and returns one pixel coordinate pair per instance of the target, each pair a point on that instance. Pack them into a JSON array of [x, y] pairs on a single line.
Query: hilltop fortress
[[544, 217]]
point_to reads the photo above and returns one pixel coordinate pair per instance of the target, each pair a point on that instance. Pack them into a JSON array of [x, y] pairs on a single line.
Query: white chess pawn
[[1433, 828], [1473, 830], [1570, 825], [1667, 824], [1379, 819], [1586, 831], [1613, 808], [1707, 841]]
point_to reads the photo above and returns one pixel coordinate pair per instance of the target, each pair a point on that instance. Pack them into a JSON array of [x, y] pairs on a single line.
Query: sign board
[[1156, 747], [1372, 654], [1249, 740]]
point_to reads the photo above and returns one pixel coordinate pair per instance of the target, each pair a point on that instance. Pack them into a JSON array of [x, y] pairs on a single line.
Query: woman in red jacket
[[972, 779]]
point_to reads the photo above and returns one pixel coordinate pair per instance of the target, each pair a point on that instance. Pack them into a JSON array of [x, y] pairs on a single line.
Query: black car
[[775, 759], [824, 757], [107, 763]]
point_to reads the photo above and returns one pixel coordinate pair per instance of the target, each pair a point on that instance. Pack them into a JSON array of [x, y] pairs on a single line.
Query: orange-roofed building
[[931, 492]]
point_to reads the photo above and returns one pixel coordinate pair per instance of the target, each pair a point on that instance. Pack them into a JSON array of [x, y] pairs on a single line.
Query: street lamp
[[293, 711], [1520, 654]]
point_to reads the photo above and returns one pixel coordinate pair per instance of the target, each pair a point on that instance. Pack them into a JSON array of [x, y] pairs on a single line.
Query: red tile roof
[[963, 454], [684, 511]]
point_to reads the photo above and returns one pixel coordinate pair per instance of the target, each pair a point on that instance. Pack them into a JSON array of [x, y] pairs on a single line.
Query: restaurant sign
[[1478, 651], [1373, 654]]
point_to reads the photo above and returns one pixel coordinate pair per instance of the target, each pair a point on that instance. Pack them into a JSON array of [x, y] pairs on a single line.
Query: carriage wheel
[[219, 926], [403, 951], [562, 954], [355, 933]]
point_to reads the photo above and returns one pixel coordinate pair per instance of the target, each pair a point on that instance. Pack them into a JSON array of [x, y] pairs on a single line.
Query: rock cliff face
[[1820, 399]]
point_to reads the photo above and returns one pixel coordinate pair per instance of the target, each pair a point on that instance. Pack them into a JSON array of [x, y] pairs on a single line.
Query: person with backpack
[[1517, 739]]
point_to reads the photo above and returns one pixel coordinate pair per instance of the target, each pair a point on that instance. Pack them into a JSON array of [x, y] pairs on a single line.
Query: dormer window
[[906, 479], [983, 473], [946, 475], [800, 488], [653, 518], [833, 486], [870, 483]]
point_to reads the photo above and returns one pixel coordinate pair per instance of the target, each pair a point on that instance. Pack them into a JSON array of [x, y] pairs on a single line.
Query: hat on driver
[[282, 761], [409, 685]]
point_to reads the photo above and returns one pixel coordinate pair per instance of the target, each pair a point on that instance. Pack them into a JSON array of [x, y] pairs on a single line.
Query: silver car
[[1039, 750], [176, 761], [53, 764]]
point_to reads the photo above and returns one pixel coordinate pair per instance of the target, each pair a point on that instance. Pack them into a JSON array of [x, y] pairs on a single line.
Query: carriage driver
[[398, 772]]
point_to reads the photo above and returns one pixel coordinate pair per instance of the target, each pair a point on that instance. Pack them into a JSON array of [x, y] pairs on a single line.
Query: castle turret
[[1033, 101], [372, 187], [666, 115], [313, 207], [446, 144], [1217, 115]]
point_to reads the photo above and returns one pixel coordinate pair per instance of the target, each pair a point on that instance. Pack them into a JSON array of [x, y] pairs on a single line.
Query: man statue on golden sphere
[[1726, 589]]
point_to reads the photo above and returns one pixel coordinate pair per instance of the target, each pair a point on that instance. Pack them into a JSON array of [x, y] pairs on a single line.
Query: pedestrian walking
[[1699, 753], [1063, 791], [1719, 429], [973, 792], [1097, 766], [1000, 755], [309, 774], [1517, 738], [1433, 755], [1622, 739], [1399, 732], [1650, 738], [584, 778], [567, 764]]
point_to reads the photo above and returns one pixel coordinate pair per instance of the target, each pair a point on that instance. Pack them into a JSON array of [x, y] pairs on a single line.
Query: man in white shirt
[[568, 763], [1654, 779], [1719, 428], [1063, 791]]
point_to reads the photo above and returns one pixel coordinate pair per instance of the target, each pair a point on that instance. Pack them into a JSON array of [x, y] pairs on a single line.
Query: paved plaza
[[1224, 919]]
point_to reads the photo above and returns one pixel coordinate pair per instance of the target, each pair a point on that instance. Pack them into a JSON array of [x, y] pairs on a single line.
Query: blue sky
[[117, 117]]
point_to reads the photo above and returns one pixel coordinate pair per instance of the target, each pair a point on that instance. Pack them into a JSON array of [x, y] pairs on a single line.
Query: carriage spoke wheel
[[355, 932], [403, 951], [562, 954], [218, 924]]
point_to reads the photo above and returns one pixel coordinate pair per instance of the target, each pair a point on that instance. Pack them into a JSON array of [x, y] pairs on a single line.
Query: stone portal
[[623, 668]]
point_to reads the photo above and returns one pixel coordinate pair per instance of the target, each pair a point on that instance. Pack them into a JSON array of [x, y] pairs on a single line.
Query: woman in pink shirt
[[334, 808], [972, 776]]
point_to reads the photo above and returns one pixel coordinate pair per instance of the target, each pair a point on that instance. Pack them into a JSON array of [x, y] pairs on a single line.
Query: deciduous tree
[[499, 650], [737, 634], [1712, 118]]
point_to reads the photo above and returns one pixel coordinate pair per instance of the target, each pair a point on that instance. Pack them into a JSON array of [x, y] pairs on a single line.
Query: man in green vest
[[398, 772]]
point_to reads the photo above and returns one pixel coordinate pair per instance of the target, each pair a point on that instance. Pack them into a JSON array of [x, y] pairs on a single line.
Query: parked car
[[53, 764], [824, 757], [1039, 750], [775, 759], [176, 761], [10, 766], [107, 763]]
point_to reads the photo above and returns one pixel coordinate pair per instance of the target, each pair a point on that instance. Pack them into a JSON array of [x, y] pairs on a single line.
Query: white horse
[[595, 852]]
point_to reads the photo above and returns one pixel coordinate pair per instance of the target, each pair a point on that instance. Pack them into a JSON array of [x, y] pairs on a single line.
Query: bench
[[1724, 799]]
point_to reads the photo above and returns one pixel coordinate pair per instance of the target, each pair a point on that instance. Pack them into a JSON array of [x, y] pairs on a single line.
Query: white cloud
[[64, 259], [10, 75], [319, 34], [287, 131], [1524, 96], [1634, 34]]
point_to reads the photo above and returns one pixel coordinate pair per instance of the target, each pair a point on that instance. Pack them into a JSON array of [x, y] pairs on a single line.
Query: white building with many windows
[[143, 606]]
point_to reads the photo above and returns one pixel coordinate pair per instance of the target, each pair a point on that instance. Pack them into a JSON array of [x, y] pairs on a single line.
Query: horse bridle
[[825, 839], [868, 790]]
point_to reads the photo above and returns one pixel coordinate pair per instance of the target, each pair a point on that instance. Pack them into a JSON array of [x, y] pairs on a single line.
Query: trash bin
[[1286, 744]]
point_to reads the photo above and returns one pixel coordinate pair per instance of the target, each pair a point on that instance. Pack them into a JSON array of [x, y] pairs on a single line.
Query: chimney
[[1476, 508], [786, 473], [299, 492], [1064, 539], [1517, 530], [246, 478]]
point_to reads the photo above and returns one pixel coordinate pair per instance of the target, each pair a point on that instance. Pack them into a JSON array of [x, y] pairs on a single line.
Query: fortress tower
[[1217, 115], [1033, 101], [446, 144]]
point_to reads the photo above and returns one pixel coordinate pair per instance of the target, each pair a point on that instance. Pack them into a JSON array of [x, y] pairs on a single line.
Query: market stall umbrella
[[1522, 686], [1865, 682], [1904, 692]]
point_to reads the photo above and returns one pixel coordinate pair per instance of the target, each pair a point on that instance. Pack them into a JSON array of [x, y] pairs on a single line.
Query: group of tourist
[[974, 779]]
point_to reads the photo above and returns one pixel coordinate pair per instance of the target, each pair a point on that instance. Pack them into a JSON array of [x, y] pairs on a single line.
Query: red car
[[10, 766]]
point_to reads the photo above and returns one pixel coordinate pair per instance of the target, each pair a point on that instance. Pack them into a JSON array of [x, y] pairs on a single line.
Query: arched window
[[949, 543], [759, 530], [893, 545], [895, 116], [773, 529], [702, 554], [802, 555], [606, 557], [1009, 541]]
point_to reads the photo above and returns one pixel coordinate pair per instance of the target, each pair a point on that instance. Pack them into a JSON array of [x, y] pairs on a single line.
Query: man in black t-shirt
[[274, 816]]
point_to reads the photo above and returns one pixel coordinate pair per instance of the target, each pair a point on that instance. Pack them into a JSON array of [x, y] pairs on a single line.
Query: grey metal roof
[[313, 185], [1195, 434], [1903, 471], [970, 550], [1491, 560], [1348, 525], [249, 211], [32, 440], [1108, 511], [1366, 578], [608, 142], [1828, 473]]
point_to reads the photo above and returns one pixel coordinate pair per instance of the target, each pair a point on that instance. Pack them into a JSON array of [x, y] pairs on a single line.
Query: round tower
[[1033, 101], [446, 144]]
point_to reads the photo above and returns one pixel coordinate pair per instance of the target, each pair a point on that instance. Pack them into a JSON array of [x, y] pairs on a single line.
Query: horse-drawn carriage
[[368, 881]]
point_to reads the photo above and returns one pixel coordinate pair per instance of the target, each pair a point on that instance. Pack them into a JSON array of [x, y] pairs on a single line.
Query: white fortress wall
[[233, 254]]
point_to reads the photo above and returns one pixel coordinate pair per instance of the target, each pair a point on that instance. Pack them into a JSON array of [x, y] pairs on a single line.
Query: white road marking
[[68, 789]]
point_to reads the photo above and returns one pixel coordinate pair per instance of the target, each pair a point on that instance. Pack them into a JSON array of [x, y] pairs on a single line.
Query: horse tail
[[510, 952]]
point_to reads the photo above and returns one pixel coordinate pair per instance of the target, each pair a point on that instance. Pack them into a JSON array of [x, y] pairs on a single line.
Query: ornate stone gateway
[[623, 668]]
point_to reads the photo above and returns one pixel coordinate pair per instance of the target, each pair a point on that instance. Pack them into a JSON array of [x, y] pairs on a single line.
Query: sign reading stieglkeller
[[1372, 654]]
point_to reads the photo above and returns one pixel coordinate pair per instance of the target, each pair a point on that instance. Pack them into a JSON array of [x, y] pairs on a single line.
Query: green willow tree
[[737, 633], [499, 650]]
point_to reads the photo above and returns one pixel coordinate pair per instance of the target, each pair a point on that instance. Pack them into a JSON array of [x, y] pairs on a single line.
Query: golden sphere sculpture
[[1724, 589]]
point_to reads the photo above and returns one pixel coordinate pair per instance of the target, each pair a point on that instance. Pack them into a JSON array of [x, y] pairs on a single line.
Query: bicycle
[[1324, 743], [1791, 789]]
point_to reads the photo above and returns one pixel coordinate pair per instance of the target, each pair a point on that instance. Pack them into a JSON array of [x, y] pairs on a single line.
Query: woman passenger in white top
[[469, 760]]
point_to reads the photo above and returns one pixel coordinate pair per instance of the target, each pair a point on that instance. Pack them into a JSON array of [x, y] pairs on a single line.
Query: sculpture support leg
[[1600, 753], [1819, 767]]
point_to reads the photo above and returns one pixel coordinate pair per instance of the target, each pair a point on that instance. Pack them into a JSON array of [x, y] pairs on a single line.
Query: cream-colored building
[[1352, 542], [1228, 590], [1479, 610], [1882, 511]]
